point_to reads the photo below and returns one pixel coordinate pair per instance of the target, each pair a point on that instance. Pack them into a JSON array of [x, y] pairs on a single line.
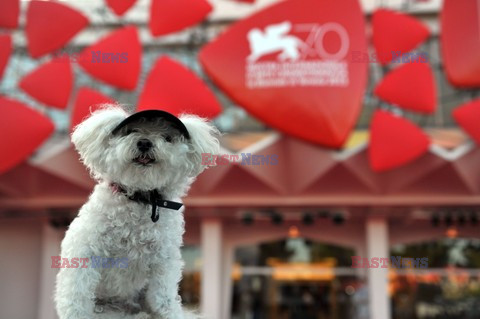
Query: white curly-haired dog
[[144, 164]]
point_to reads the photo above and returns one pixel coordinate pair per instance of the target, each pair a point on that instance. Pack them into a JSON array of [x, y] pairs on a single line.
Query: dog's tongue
[[144, 160]]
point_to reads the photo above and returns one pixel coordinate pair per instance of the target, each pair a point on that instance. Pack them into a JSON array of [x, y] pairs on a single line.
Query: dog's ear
[[90, 136], [203, 140]]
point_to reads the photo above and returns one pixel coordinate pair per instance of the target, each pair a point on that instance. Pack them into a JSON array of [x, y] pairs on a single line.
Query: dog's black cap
[[153, 114]]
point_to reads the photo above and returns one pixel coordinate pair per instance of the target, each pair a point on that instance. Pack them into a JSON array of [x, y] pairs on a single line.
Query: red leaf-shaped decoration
[[120, 6], [410, 86], [87, 101], [290, 66], [168, 16], [5, 50], [168, 93], [394, 141], [50, 25], [468, 117], [51, 83], [115, 59], [22, 130], [9, 13], [460, 37], [396, 32]]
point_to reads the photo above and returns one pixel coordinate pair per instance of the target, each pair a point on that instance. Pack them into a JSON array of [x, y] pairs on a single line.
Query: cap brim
[[154, 114]]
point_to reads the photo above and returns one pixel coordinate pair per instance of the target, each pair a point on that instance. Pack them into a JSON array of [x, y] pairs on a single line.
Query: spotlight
[[435, 220], [277, 219], [448, 220], [307, 219], [338, 219], [473, 218], [247, 219]]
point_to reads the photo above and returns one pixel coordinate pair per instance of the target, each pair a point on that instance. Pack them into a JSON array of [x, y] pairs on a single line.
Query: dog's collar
[[152, 197]]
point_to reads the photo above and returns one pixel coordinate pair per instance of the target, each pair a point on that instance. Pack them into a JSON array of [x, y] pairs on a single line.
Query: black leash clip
[[157, 200]]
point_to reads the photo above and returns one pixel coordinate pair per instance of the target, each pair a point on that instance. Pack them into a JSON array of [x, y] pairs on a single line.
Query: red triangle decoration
[[410, 86], [396, 32], [460, 39], [50, 25], [468, 117], [394, 141], [87, 101], [169, 93], [22, 130], [9, 13], [119, 7], [167, 16], [51, 83], [115, 59], [5, 50], [293, 91]]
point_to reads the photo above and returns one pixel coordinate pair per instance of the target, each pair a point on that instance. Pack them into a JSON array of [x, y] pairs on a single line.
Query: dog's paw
[[142, 315], [167, 316], [179, 315], [117, 315]]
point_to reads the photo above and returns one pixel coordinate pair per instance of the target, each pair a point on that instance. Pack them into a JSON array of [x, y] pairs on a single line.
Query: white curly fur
[[111, 225]]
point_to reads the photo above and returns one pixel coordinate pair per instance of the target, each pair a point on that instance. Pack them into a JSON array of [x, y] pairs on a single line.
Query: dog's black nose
[[144, 145]]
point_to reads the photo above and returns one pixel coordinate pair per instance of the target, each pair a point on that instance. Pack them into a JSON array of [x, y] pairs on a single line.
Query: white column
[[211, 298], [377, 246], [50, 246]]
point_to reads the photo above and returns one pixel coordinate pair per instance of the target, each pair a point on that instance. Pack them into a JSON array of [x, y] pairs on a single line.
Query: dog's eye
[[130, 131], [168, 138]]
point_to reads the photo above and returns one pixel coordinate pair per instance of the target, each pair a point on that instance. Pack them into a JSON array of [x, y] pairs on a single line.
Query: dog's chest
[[134, 235], [131, 242]]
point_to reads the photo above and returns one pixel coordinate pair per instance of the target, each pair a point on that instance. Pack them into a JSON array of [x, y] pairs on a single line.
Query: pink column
[[212, 256], [50, 246]]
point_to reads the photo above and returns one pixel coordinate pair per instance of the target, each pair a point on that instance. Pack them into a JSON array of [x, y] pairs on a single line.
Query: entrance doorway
[[296, 278]]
